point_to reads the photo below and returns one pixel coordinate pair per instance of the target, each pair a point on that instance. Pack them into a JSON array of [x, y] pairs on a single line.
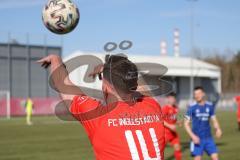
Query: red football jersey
[[170, 114], [120, 131], [237, 98]]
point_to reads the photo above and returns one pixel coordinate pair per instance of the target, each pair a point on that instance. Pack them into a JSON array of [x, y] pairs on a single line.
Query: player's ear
[[204, 95], [107, 87]]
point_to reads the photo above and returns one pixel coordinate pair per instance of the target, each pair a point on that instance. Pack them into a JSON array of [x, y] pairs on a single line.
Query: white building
[[179, 72]]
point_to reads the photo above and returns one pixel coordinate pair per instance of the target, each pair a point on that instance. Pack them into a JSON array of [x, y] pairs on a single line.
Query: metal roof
[[177, 66]]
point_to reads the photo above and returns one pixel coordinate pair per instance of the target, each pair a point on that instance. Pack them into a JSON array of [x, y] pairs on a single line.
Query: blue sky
[[217, 24]]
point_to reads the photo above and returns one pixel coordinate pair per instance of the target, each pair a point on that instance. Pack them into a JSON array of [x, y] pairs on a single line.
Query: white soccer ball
[[60, 16]]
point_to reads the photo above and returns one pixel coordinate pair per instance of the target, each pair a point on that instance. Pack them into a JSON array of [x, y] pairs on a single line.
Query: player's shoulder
[[150, 100], [165, 108], [83, 103], [80, 98], [168, 107], [237, 98], [193, 104], [209, 104]]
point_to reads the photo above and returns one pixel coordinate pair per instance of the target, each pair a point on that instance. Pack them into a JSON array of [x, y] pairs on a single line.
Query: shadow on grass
[[221, 144], [185, 146]]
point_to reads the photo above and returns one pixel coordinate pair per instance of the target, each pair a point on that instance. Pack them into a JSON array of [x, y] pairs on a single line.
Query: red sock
[[178, 155]]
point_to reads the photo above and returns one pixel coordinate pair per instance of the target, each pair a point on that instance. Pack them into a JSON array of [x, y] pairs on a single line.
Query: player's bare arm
[[218, 131], [97, 70], [180, 123], [194, 137], [172, 127], [59, 77]]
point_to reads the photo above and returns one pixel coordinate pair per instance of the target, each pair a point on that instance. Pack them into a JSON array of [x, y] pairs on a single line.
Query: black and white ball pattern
[[60, 16]]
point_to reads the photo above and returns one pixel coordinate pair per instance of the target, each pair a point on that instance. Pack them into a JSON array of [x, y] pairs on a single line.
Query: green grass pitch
[[52, 139]]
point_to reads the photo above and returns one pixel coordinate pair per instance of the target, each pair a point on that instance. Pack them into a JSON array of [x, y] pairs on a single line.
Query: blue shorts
[[208, 145]]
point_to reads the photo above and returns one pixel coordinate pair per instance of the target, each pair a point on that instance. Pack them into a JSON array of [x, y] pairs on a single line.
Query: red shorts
[[238, 117], [172, 138], [238, 114]]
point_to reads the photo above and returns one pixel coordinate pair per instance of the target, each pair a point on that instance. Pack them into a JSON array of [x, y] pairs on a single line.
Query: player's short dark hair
[[172, 94], [121, 73], [199, 88]]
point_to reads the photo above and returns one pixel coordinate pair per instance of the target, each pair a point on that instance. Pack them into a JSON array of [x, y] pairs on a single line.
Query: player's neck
[[172, 105], [202, 102], [128, 98]]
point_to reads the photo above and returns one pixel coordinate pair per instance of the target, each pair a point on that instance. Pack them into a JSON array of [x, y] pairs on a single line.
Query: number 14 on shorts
[[133, 148]]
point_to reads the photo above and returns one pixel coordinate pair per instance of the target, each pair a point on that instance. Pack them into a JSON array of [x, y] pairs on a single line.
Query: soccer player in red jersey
[[128, 126], [237, 99], [170, 112]]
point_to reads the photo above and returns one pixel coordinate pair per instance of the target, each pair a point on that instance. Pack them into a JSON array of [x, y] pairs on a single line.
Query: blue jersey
[[200, 116]]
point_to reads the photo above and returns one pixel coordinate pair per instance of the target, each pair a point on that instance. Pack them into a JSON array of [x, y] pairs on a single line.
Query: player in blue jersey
[[199, 114]]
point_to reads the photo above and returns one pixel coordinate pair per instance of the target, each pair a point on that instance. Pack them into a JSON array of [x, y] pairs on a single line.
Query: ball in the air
[[60, 16]]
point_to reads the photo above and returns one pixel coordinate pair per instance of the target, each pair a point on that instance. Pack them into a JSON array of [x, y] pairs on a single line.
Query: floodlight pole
[[192, 47], [28, 67], [9, 63]]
